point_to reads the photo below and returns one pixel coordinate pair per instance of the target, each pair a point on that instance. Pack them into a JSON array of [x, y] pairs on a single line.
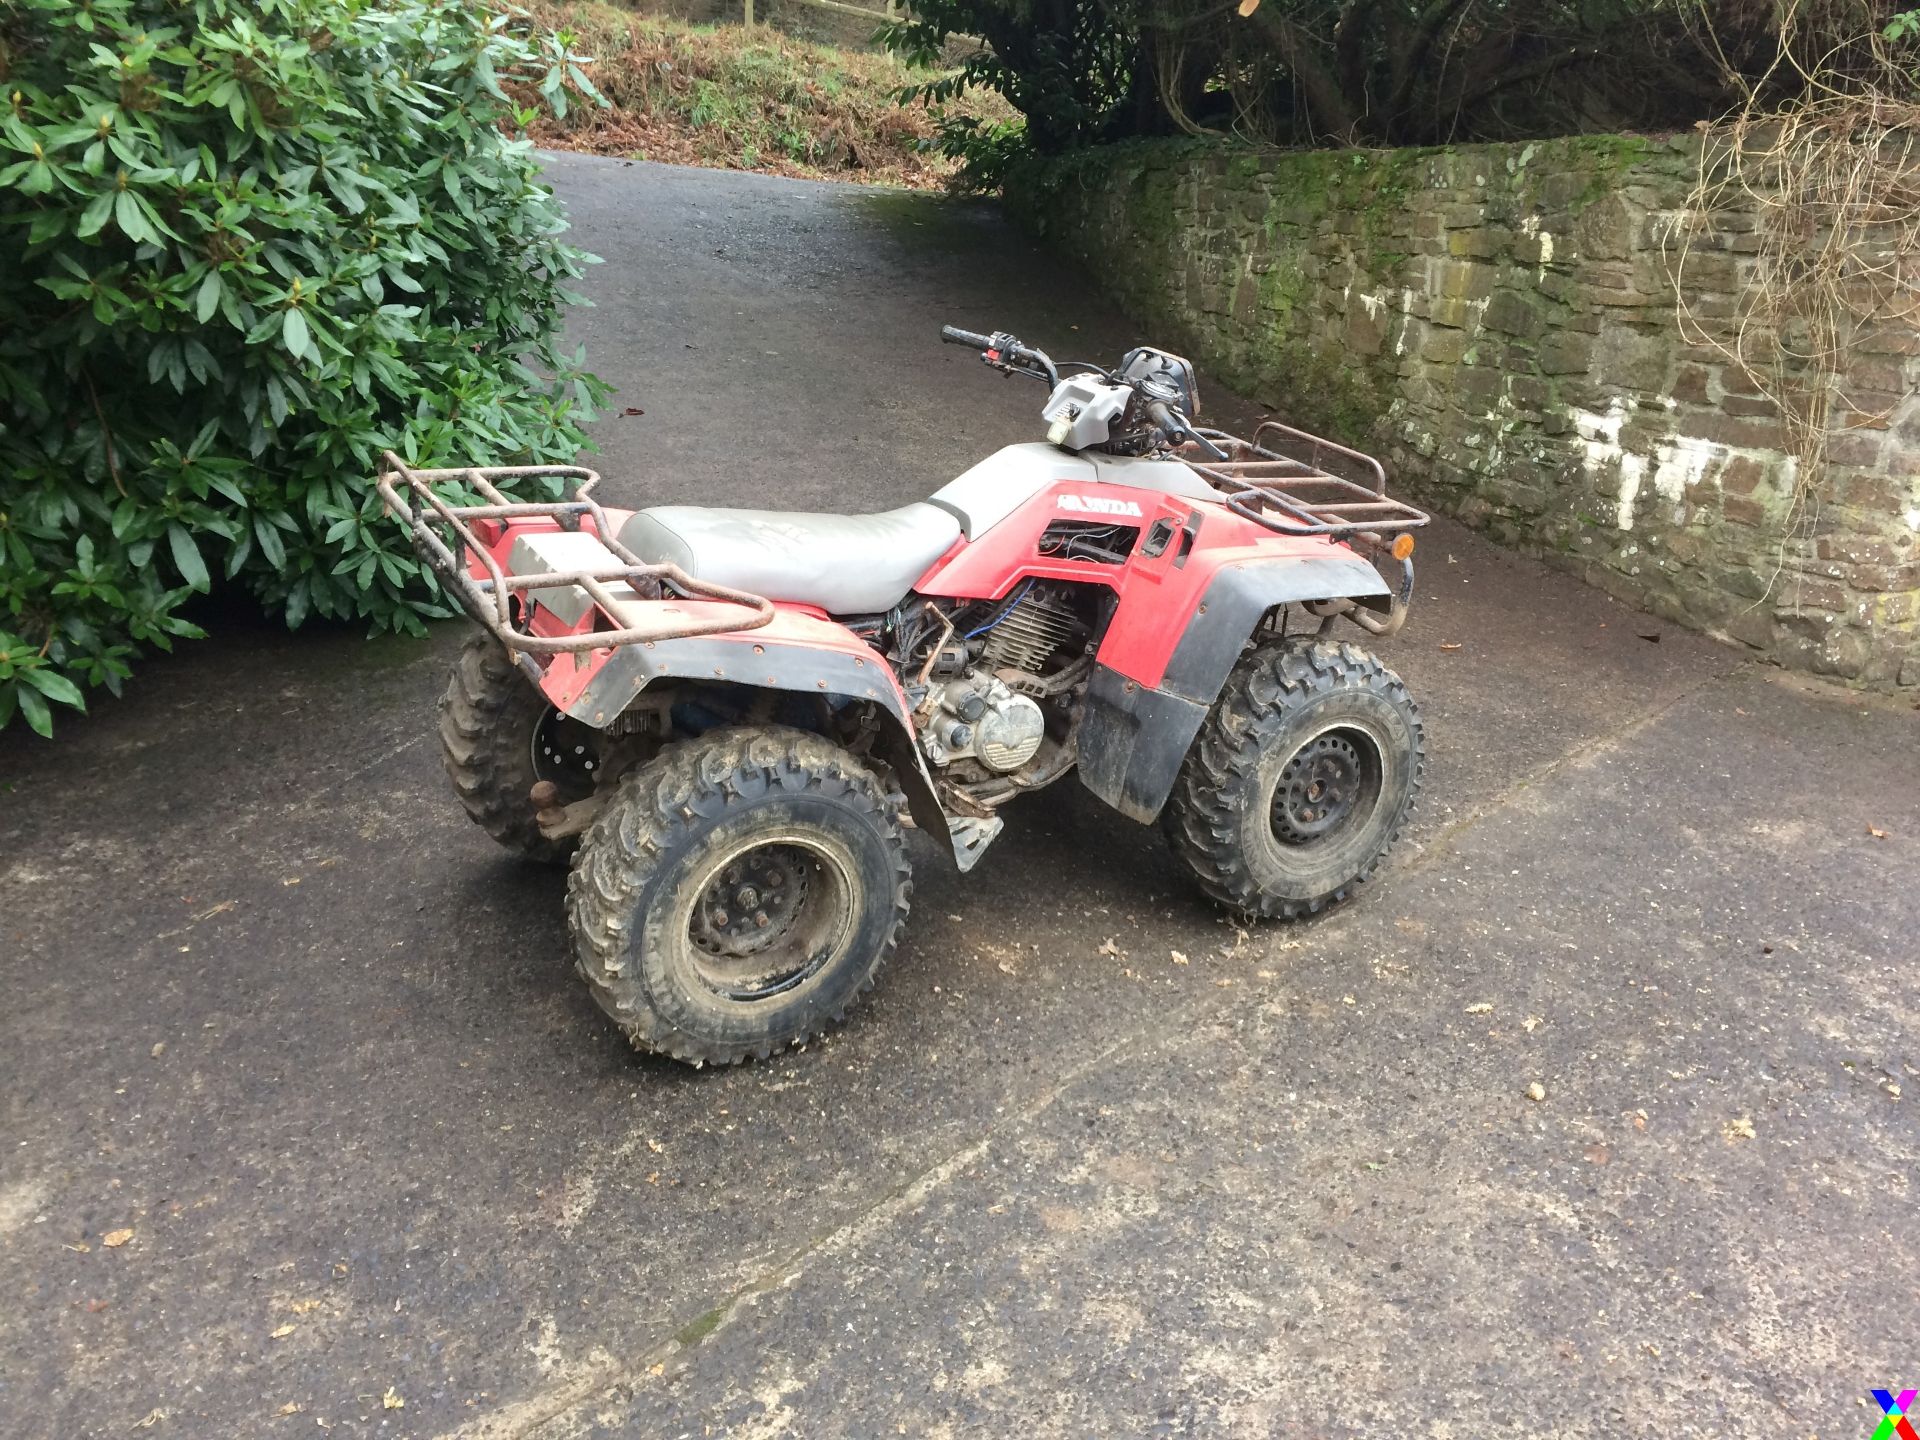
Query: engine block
[[978, 717]]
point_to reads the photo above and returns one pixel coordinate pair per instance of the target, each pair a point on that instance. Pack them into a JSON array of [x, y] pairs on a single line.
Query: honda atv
[[724, 718]]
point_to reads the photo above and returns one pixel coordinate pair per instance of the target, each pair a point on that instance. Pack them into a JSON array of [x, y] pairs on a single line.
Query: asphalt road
[[275, 1006]]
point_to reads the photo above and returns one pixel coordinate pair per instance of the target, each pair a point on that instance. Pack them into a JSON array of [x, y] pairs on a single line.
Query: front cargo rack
[[409, 494], [1292, 482]]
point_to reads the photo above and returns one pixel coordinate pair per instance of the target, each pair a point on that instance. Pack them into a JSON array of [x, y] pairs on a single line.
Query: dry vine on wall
[[1832, 179]]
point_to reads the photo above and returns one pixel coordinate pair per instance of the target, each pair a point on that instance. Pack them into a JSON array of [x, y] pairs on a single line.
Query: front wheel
[[1300, 780], [738, 893]]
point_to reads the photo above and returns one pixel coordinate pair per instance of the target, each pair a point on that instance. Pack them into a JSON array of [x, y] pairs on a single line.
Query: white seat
[[844, 564]]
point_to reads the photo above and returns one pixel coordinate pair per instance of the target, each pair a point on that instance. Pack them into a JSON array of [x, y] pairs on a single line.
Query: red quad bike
[[724, 718]]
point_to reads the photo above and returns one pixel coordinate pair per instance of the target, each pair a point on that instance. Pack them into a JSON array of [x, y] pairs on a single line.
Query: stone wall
[[1499, 322]]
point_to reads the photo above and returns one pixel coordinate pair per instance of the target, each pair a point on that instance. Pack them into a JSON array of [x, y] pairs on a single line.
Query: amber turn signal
[[1402, 547]]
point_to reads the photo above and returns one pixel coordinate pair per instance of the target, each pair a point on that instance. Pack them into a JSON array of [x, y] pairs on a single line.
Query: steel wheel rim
[[769, 915], [566, 752], [1329, 786]]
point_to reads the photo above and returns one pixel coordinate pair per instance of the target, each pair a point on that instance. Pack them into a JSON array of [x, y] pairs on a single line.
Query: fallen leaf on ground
[[114, 1239], [1876, 832], [1223, 983], [1177, 957], [291, 880], [1107, 947], [656, 1369], [1536, 1092], [1247, 7], [1531, 1023], [1639, 1119], [655, 1146], [1741, 1129], [283, 1332], [149, 1420], [1480, 1007], [633, 410], [290, 1408], [304, 1307], [391, 1400], [79, 1247], [1450, 645], [1893, 1090], [1598, 1154]]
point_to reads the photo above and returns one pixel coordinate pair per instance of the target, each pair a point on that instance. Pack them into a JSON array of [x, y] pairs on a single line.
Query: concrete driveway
[[272, 1004]]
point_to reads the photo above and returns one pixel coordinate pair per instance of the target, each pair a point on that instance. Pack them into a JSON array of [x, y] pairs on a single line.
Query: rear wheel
[[498, 736], [737, 893], [1300, 780]]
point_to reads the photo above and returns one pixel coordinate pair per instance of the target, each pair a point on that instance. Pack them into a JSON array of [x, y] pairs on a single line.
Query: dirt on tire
[[642, 869], [488, 717], [1279, 696]]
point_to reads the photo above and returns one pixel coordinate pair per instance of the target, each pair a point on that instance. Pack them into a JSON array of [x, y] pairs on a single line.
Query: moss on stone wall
[[1498, 322]]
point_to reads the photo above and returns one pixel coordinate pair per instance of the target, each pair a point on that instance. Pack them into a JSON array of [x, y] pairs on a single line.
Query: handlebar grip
[[1172, 423], [954, 335]]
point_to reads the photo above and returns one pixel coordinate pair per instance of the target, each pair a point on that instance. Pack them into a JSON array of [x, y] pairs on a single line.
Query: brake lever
[[1173, 425], [1008, 355], [1213, 451]]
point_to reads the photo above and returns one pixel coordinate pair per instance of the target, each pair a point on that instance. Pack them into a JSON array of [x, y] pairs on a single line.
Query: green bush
[[245, 245]]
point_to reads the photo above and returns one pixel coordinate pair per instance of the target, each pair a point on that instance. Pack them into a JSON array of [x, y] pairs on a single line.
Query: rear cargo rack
[[409, 494], [1291, 481]]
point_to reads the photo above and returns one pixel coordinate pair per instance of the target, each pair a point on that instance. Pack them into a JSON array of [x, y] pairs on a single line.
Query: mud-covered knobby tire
[[643, 880], [488, 717], [1280, 700]]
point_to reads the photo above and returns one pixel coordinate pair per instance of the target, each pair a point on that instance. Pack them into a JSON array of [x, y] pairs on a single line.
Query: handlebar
[[1172, 423], [1005, 352]]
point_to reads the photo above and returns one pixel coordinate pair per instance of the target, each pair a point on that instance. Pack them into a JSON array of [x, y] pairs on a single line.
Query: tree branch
[[1349, 48], [106, 435], [1327, 103], [1409, 60], [1521, 74]]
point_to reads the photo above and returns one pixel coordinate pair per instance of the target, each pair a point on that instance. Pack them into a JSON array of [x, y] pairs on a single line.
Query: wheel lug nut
[[720, 917], [760, 919]]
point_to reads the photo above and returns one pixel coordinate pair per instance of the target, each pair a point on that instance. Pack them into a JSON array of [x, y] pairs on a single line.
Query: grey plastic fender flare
[[754, 661], [1134, 737]]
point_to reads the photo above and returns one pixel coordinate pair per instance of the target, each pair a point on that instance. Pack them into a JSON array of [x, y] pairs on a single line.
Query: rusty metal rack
[[409, 494], [1290, 481]]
